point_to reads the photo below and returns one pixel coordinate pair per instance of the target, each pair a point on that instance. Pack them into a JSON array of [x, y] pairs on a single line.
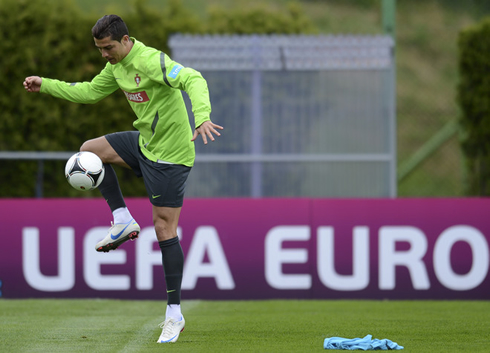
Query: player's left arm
[[177, 76]]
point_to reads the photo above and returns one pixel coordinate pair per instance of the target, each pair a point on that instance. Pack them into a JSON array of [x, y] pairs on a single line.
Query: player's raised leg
[[124, 227]]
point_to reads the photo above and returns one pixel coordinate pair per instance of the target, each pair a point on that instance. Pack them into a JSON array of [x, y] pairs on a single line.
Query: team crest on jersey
[[137, 79]]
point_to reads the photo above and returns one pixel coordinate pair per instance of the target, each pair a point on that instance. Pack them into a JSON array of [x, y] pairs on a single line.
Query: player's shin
[[110, 190], [173, 267]]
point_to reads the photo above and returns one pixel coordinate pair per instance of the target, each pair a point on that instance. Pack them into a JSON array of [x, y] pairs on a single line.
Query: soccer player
[[161, 150]]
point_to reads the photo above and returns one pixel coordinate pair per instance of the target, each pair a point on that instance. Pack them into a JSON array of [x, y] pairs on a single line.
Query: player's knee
[[89, 146], [85, 147], [94, 146], [163, 229]]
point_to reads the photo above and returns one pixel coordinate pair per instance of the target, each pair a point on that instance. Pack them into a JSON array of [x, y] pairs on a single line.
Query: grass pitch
[[62, 325]]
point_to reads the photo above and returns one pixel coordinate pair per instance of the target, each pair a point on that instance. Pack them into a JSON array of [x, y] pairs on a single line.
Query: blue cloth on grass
[[365, 344]]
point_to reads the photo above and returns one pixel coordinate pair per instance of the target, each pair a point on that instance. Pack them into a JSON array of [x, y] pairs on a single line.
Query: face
[[112, 50]]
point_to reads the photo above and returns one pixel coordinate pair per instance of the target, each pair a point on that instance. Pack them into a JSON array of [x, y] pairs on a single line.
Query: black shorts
[[165, 183]]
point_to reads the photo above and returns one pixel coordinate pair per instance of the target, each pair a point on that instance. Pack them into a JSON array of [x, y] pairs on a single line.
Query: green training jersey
[[152, 84]]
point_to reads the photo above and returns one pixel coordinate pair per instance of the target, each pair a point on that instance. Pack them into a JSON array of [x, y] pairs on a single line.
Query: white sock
[[122, 215], [173, 311]]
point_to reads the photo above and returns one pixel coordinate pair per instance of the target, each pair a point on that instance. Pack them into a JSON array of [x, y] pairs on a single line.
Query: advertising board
[[253, 249]]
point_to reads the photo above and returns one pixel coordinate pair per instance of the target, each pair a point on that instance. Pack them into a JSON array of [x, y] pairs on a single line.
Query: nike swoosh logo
[[170, 291], [114, 237], [155, 196]]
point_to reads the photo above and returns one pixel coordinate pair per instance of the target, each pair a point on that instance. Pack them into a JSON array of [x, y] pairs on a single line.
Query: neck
[[130, 45]]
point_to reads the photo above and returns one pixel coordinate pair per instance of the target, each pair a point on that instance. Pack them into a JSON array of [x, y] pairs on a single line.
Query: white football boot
[[118, 234], [171, 330]]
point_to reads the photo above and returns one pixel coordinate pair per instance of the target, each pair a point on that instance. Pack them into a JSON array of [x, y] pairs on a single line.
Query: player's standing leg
[[166, 220]]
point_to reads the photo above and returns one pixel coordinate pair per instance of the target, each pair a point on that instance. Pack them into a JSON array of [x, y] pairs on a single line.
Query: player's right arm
[[33, 83], [79, 92]]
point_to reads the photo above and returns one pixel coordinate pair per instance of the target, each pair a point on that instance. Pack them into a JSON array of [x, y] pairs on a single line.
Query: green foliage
[[153, 26], [474, 100], [40, 38], [52, 39], [259, 20]]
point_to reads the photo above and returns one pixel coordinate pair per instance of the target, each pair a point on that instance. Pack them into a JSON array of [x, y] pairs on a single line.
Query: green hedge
[[474, 100], [53, 39]]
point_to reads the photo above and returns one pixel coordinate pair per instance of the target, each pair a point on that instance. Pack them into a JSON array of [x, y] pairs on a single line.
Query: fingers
[[27, 83], [216, 126], [198, 132], [204, 139], [208, 133], [213, 130], [194, 137], [32, 83], [206, 130], [28, 86]]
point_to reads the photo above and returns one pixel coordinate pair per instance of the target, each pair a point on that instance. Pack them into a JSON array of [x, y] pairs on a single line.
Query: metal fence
[[304, 116]]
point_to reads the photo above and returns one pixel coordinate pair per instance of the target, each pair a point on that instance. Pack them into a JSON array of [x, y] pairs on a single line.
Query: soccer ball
[[84, 171]]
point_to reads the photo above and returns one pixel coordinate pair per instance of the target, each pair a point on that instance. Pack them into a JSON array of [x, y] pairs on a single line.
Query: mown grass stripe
[[241, 326]]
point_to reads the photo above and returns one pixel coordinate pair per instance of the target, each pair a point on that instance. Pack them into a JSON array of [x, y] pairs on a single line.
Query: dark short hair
[[110, 25]]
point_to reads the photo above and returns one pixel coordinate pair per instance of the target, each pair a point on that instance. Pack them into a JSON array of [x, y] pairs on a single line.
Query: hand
[[207, 129], [33, 83]]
